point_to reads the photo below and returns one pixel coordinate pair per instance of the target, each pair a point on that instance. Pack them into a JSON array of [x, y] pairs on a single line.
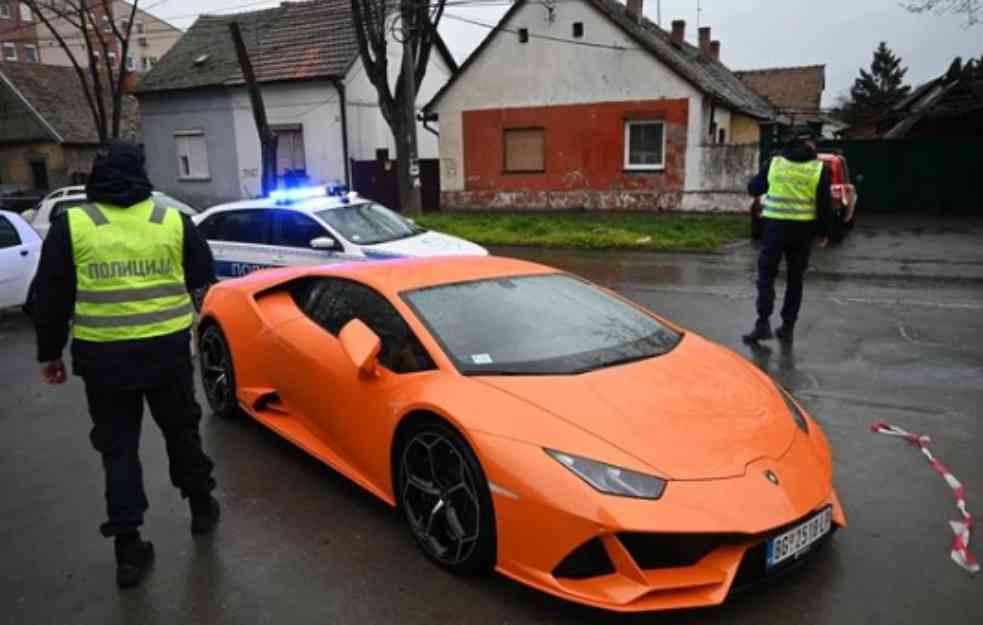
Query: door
[[293, 232], [240, 241], [39, 171], [319, 383], [19, 253], [50, 210]]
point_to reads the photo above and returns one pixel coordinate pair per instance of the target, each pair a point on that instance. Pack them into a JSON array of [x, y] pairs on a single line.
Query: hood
[[427, 243], [698, 412], [118, 176], [800, 153]]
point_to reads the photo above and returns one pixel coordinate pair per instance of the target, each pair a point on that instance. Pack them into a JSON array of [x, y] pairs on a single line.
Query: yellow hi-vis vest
[[129, 265], [792, 190]]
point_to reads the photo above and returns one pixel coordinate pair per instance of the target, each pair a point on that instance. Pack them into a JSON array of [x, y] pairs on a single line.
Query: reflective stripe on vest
[[792, 189], [129, 271]]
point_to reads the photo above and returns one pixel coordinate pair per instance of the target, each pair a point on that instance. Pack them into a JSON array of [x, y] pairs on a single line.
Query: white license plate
[[799, 539]]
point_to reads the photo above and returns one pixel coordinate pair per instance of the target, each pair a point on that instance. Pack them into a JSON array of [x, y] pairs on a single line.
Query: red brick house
[[587, 104]]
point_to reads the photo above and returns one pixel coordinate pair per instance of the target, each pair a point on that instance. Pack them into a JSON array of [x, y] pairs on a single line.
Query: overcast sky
[[841, 34]]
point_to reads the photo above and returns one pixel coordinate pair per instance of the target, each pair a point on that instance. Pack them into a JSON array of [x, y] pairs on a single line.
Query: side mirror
[[324, 243], [362, 346]]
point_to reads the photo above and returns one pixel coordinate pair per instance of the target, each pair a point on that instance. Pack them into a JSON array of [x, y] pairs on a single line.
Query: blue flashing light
[[297, 194]]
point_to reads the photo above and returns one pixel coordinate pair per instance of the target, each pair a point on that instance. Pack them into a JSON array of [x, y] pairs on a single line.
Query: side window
[[243, 226], [209, 227], [332, 303], [294, 229], [8, 233]]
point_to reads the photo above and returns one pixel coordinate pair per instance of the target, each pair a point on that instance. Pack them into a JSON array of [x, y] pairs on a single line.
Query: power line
[[576, 42]]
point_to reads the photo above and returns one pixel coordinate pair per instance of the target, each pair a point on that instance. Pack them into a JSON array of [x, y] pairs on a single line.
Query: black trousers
[[116, 415], [791, 240]]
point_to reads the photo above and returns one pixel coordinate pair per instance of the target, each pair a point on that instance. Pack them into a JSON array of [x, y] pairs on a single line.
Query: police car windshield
[[368, 223]]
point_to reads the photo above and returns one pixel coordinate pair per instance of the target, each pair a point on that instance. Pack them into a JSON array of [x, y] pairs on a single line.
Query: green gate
[[928, 176]]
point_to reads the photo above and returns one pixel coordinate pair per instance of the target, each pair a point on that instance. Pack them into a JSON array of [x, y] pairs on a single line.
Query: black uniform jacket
[[132, 363]]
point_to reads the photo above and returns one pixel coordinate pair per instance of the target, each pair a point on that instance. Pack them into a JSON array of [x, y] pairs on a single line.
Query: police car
[[309, 227]]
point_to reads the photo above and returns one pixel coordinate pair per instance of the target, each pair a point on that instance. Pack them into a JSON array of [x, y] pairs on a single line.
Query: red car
[[842, 190]]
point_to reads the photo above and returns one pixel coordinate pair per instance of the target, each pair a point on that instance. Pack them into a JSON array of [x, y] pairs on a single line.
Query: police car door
[[293, 232], [240, 240]]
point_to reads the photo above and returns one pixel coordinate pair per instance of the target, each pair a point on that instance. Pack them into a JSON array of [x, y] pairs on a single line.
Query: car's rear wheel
[[217, 373], [445, 499]]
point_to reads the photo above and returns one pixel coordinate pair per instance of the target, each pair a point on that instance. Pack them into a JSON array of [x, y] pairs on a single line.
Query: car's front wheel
[[445, 499], [217, 373]]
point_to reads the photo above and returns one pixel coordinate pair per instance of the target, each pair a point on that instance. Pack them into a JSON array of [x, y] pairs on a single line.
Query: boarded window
[[290, 150], [192, 154], [525, 150], [644, 145]]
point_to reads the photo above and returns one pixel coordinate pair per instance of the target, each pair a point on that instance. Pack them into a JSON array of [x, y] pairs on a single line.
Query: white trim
[[30, 107], [644, 122], [499, 490]]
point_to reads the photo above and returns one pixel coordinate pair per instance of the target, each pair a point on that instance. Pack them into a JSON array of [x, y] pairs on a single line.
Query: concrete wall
[[726, 170], [209, 110]]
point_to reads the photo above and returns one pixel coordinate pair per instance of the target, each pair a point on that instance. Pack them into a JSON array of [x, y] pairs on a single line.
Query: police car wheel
[[217, 372]]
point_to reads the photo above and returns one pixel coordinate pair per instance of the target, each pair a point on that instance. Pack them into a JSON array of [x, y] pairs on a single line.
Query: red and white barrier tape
[[960, 545]]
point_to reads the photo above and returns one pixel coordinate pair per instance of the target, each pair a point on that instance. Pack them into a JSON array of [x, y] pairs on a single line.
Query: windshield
[[368, 223], [537, 325]]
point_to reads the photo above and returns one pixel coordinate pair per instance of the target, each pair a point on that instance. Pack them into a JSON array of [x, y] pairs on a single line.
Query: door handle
[[23, 252]]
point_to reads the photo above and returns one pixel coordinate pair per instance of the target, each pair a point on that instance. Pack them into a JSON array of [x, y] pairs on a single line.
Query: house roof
[[952, 94], [55, 96], [294, 41], [709, 75], [792, 89]]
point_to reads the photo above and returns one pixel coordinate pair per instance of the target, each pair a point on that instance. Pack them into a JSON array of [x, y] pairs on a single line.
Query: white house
[[199, 135], [588, 104]]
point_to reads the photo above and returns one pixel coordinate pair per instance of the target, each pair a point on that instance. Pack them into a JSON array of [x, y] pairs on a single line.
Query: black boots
[[761, 332], [205, 513], [133, 558], [785, 333]]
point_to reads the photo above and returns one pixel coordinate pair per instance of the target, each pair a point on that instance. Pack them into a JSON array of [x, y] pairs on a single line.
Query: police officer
[[117, 273], [797, 208]]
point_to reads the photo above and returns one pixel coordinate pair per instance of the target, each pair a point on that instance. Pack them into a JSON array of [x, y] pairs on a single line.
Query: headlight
[[800, 419], [611, 480]]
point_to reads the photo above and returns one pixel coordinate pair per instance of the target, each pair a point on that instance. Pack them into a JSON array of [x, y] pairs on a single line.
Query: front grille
[[661, 551], [588, 560]]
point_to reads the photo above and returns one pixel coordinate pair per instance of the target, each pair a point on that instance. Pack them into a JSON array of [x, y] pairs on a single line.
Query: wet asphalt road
[[891, 329]]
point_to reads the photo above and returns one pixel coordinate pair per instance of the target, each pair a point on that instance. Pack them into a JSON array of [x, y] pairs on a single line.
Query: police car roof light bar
[[285, 196]]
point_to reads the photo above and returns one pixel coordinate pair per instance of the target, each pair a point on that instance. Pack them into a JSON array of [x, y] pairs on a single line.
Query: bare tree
[[103, 81], [972, 8], [267, 138], [412, 23]]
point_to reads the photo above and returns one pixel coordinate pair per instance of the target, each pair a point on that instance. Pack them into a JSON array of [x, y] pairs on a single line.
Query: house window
[[524, 150], [139, 28], [722, 136], [645, 143], [9, 52], [25, 13], [4, 10], [131, 63], [290, 150], [31, 53], [578, 30], [192, 154]]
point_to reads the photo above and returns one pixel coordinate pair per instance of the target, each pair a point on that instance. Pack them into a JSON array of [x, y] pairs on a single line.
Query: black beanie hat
[[118, 176]]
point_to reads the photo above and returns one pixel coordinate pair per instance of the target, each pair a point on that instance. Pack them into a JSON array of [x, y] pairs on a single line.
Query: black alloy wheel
[[217, 373], [445, 500]]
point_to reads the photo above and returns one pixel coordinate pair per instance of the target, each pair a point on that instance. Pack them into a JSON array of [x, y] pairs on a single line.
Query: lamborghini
[[524, 420]]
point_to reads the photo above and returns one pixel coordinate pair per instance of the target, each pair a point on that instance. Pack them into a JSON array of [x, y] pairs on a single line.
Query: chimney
[[635, 10], [705, 41], [678, 31], [715, 50]]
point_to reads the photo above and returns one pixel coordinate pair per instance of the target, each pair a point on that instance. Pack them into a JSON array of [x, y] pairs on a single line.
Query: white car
[[57, 202], [310, 228], [20, 251]]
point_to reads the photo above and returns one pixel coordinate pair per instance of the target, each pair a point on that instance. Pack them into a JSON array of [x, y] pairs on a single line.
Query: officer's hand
[[53, 372], [822, 242]]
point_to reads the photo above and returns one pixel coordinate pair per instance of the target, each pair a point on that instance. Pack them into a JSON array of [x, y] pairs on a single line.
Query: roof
[[709, 75], [55, 96], [294, 41], [953, 94], [792, 89]]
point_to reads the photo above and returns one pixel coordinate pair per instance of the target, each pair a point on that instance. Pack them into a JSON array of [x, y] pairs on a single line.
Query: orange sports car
[[526, 420]]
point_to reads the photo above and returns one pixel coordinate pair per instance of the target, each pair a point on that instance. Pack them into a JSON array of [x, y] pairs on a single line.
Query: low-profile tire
[[218, 376], [444, 499]]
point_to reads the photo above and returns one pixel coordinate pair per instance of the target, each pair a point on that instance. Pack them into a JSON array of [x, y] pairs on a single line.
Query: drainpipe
[[340, 86], [426, 118]]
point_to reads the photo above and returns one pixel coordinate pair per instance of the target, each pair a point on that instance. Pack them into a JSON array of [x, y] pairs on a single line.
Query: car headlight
[[609, 479], [793, 408]]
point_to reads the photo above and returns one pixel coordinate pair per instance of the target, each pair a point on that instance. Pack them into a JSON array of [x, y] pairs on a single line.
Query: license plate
[[799, 539]]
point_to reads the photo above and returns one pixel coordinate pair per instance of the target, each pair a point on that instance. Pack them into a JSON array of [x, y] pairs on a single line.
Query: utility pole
[[267, 138], [699, 13], [658, 12], [408, 118]]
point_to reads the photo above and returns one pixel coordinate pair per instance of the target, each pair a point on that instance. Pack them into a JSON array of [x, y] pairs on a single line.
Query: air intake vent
[[588, 560], [662, 551]]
